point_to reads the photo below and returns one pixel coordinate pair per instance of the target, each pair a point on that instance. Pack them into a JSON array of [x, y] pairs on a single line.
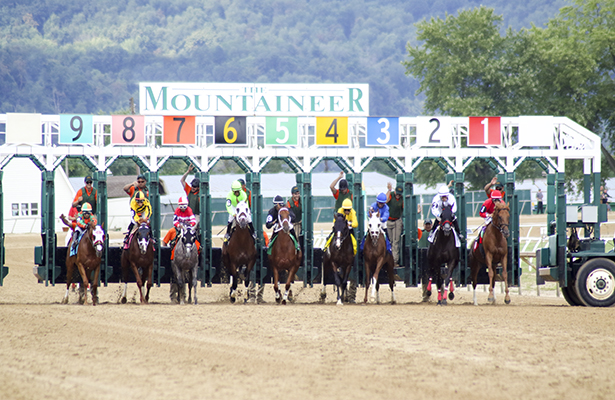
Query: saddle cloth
[[274, 237], [432, 235]]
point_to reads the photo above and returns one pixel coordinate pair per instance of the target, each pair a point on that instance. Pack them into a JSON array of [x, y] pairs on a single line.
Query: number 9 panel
[[128, 129], [76, 129]]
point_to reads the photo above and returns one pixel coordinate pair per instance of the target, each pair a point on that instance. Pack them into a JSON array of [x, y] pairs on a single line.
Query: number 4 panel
[[179, 130], [128, 129]]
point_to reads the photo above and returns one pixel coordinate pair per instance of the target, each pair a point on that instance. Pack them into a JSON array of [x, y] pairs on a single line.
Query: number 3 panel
[[434, 131], [179, 130], [383, 131], [76, 129], [128, 129]]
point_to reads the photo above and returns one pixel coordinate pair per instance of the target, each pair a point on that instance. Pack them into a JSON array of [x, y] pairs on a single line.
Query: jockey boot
[[292, 231], [125, 245], [252, 231], [227, 235], [456, 225]]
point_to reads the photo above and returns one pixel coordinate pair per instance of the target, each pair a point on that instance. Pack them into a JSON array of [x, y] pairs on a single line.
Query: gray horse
[[185, 263]]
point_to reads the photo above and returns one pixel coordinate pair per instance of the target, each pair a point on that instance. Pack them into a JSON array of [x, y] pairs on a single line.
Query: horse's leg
[[195, 281], [449, 280], [276, 290], [148, 278], [338, 283], [474, 267], [376, 287], [135, 270], [85, 280], [391, 275], [179, 280], [69, 278], [289, 280], [368, 279], [94, 282], [491, 272], [505, 276]]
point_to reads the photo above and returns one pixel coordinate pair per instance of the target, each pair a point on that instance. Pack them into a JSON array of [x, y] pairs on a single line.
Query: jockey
[[351, 217], [235, 196], [80, 224], [486, 211], [141, 210], [381, 207], [272, 218], [183, 215], [440, 200]]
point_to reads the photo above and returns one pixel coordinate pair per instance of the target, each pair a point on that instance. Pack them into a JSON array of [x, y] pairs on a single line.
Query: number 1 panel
[[76, 129], [179, 130], [128, 129], [382, 131], [484, 131], [434, 131], [281, 131]]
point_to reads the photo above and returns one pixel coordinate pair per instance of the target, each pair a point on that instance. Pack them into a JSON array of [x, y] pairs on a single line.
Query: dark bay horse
[[139, 258], [376, 256], [185, 263], [495, 250], [442, 257], [240, 250], [284, 255], [87, 261], [339, 257]]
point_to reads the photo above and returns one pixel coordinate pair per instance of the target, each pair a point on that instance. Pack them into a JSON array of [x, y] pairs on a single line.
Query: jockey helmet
[[347, 204], [381, 198], [139, 196], [86, 207], [443, 191], [278, 200], [183, 201], [294, 190], [343, 184], [496, 194], [236, 185], [196, 182]]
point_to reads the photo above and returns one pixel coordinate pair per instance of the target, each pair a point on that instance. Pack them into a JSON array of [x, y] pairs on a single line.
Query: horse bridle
[[500, 227], [281, 221], [345, 236]]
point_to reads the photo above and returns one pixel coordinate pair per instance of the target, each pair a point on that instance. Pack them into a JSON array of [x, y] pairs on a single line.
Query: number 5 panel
[[128, 129]]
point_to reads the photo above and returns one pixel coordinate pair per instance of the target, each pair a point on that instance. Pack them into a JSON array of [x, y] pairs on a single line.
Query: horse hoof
[[428, 293], [123, 300], [444, 302], [451, 295], [439, 302], [232, 299], [507, 301], [339, 302], [65, 300], [278, 300], [491, 300], [283, 302]]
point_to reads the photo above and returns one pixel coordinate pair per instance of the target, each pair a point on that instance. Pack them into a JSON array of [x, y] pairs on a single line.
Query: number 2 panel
[[434, 131], [76, 129], [128, 129], [179, 130]]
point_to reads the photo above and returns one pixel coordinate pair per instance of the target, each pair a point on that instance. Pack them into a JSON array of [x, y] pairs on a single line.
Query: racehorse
[[240, 250], [376, 256], [494, 251], [87, 261], [284, 255], [185, 263], [339, 257], [139, 256], [443, 250]]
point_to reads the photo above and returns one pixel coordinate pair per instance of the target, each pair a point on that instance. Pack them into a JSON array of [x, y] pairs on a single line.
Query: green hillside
[[84, 56]]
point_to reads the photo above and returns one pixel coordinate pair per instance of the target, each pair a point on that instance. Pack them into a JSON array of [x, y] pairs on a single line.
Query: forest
[[84, 56]]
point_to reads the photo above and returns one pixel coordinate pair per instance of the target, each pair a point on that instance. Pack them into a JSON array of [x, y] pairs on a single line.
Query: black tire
[[571, 297], [595, 283]]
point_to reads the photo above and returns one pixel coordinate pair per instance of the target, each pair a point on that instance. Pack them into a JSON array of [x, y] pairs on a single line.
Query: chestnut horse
[[87, 261], [376, 256], [339, 258], [240, 250], [443, 251], [139, 255], [185, 263], [284, 255], [495, 250]]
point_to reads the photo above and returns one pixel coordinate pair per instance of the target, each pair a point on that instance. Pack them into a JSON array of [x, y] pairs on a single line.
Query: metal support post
[[512, 198], [561, 230], [359, 207], [409, 244], [154, 199], [208, 270], [257, 221], [3, 270], [100, 180], [463, 272], [551, 204], [304, 181], [48, 227]]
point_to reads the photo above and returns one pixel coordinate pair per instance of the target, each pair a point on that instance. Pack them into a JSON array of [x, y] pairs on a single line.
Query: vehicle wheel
[[595, 283], [571, 296]]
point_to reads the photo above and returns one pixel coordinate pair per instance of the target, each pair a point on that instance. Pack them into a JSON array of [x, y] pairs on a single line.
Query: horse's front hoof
[[123, 300], [507, 300], [439, 302], [428, 293], [232, 299], [339, 302], [65, 300], [451, 295], [283, 302], [444, 302], [491, 300]]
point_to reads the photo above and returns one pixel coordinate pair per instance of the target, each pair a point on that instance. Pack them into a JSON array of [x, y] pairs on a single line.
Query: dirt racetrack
[[534, 348]]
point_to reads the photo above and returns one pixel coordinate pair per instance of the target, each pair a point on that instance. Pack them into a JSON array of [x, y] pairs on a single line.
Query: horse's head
[[187, 236], [143, 236], [501, 217], [375, 226], [340, 230], [446, 219], [242, 214], [98, 240], [284, 219]]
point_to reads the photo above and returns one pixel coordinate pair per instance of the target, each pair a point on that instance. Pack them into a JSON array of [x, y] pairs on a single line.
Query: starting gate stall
[[352, 142]]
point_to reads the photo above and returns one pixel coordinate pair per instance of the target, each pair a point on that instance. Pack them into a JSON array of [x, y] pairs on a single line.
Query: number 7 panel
[[179, 130]]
